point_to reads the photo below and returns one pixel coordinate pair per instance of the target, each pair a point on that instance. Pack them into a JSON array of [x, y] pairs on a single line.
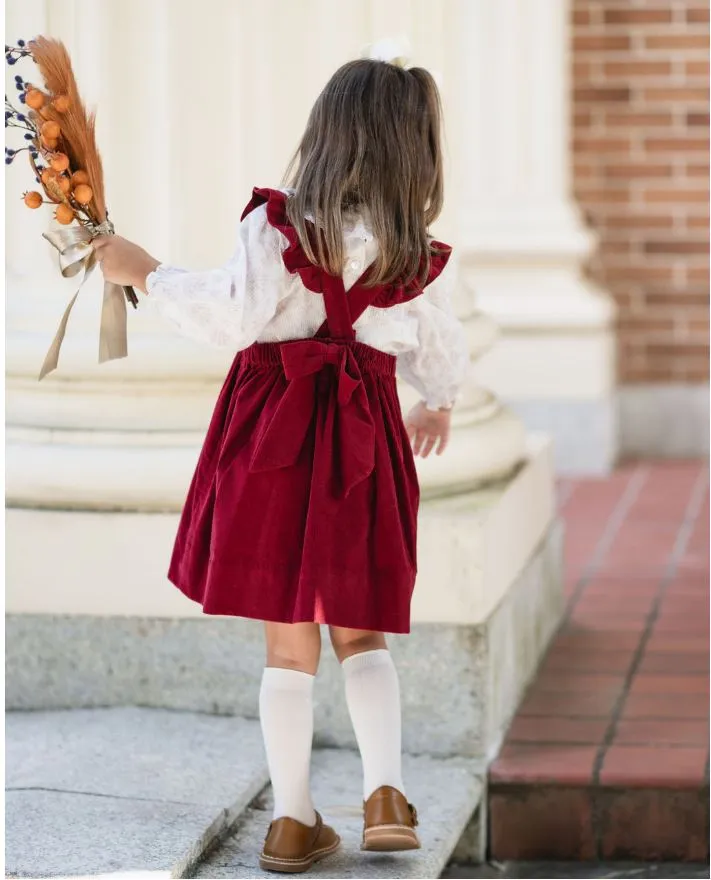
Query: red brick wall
[[641, 140]]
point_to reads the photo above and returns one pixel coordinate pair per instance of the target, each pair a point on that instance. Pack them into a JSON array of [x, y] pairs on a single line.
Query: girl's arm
[[438, 366], [226, 307]]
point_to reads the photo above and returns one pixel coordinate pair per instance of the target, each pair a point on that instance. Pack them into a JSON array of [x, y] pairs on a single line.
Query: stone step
[[446, 791], [100, 791]]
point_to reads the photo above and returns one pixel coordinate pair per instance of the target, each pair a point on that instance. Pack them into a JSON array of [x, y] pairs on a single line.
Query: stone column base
[[113, 632]]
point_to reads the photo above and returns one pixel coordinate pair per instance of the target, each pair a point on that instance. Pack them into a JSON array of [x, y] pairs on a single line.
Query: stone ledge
[[488, 598], [669, 420], [460, 684], [584, 431], [473, 546]]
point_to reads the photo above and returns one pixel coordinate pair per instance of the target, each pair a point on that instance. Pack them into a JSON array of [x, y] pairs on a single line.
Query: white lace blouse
[[253, 298]]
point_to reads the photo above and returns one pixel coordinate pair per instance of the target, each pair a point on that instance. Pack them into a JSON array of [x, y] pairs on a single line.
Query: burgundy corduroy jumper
[[303, 506]]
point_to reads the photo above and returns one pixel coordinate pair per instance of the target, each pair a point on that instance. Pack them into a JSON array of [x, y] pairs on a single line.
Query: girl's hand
[[427, 428], [123, 262]]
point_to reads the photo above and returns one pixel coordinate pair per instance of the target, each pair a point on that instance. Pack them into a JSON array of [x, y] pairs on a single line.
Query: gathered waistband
[[369, 359]]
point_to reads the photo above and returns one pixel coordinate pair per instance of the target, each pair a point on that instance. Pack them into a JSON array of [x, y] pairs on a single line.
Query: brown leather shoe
[[292, 847], [389, 821]]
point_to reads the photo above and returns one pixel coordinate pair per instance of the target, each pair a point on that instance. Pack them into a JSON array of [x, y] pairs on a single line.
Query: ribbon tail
[[356, 433], [52, 358], [113, 338]]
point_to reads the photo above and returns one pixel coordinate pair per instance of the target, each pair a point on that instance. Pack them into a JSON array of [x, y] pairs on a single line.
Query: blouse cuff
[[159, 275], [151, 279], [435, 404]]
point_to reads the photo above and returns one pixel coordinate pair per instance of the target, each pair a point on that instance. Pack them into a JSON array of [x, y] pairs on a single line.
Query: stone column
[[126, 435], [522, 238], [487, 439]]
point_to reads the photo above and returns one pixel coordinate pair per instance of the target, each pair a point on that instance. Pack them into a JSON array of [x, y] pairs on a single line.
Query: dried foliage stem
[[78, 131], [77, 124]]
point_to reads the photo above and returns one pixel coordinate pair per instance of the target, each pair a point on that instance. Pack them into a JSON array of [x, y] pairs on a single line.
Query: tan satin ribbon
[[76, 253]]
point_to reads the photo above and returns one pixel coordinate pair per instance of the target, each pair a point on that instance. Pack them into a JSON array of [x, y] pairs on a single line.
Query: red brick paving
[[608, 755]]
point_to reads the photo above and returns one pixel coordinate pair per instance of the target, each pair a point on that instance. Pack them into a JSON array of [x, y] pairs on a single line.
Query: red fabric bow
[[348, 437]]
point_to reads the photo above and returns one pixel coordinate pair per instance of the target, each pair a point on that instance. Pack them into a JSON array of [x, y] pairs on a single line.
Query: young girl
[[303, 507]]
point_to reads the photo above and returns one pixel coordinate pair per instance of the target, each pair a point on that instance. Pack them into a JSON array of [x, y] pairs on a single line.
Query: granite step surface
[[124, 791], [446, 791]]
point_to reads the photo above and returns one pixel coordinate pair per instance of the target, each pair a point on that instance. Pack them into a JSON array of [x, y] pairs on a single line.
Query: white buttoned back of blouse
[[253, 298]]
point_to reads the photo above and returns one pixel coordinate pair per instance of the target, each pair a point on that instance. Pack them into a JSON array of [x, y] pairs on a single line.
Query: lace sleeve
[[438, 366], [230, 306]]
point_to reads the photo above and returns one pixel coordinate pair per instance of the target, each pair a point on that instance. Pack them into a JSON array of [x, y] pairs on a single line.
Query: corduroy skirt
[[303, 506]]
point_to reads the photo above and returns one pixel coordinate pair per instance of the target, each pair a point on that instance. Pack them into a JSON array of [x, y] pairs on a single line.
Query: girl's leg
[[286, 715], [373, 697]]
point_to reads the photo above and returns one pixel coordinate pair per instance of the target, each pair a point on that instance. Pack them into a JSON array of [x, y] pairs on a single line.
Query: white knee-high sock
[[373, 697], [287, 718]]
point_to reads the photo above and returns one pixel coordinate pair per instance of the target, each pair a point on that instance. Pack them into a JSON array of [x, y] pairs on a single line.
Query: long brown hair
[[372, 140]]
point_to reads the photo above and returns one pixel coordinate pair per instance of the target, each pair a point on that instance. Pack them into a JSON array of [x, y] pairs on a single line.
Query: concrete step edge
[[219, 829]]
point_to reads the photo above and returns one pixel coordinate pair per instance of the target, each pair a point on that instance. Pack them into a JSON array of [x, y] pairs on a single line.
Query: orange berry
[[50, 130], [79, 177], [34, 99], [61, 103], [64, 215], [47, 175], [52, 144], [65, 185], [59, 162], [33, 199], [83, 194]]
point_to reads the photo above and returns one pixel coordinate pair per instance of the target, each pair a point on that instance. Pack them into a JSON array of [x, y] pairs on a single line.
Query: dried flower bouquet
[[61, 146]]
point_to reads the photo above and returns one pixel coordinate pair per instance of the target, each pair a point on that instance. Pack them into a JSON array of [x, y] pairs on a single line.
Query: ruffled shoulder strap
[[396, 292], [312, 276], [294, 257]]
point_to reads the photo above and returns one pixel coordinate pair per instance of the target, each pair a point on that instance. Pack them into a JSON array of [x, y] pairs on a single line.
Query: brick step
[[607, 756], [549, 821]]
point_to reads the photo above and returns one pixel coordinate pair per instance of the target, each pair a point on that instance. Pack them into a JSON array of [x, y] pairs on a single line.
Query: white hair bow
[[397, 51], [394, 50]]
